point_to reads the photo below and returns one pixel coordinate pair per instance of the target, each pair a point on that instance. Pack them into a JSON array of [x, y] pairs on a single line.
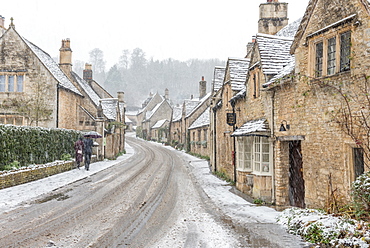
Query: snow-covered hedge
[[317, 227], [34, 145]]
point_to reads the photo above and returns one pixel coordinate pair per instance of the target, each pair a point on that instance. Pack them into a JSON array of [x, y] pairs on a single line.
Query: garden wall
[[28, 174]]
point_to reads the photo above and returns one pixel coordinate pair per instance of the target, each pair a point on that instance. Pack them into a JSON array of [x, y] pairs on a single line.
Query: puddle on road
[[56, 196]]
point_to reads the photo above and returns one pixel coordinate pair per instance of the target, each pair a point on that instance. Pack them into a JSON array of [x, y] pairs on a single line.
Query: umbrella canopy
[[93, 134]]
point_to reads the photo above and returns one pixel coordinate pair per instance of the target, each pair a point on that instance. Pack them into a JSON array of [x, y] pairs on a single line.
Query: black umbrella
[[93, 134]]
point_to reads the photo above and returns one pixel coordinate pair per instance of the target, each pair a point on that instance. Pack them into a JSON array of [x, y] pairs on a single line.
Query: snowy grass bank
[[325, 230]]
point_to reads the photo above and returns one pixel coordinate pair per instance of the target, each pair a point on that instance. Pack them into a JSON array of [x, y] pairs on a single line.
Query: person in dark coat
[[88, 144], [79, 148]]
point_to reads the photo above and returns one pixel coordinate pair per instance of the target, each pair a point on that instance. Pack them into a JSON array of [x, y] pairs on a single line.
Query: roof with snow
[[160, 123], [200, 103], [258, 127], [176, 113], [53, 67], [237, 69], [218, 78], [203, 120], [290, 30], [274, 52], [109, 105], [150, 113], [190, 104], [288, 69]]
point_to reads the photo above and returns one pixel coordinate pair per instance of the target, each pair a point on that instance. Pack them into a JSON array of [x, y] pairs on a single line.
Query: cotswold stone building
[[36, 91], [301, 137], [154, 117], [320, 137], [190, 123]]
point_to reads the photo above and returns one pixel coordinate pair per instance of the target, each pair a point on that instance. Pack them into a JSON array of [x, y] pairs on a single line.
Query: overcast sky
[[163, 29]]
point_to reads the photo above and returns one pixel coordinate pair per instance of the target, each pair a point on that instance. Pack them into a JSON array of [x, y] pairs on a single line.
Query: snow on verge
[[318, 227]]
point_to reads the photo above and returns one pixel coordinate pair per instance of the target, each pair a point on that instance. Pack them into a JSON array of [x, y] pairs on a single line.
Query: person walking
[[88, 144], [79, 148]]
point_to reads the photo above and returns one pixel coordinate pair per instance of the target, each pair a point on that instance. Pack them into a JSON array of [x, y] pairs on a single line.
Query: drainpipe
[[214, 140], [57, 112], [273, 145]]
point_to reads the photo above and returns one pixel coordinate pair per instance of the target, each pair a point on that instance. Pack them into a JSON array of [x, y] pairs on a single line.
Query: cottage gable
[[320, 14], [236, 73]]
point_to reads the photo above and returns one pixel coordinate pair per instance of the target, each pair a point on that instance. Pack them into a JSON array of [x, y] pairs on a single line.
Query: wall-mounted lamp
[[283, 127]]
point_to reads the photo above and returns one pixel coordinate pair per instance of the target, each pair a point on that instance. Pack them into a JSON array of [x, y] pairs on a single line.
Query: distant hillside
[[142, 77]]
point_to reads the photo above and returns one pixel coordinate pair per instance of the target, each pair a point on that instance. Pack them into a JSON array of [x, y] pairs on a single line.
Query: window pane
[[345, 51], [248, 153], [20, 83], [10, 83], [265, 168], [319, 57], [331, 55], [2, 83]]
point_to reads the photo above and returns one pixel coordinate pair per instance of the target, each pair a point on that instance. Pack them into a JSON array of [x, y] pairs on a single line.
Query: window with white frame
[[11, 83], [253, 154]]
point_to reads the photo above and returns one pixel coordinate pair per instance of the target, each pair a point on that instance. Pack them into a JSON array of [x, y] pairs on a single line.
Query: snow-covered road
[[253, 222]]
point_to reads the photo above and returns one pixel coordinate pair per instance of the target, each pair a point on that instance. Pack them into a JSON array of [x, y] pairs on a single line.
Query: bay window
[[254, 154]]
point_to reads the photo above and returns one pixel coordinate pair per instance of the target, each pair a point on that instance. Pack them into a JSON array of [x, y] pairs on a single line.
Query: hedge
[[34, 145]]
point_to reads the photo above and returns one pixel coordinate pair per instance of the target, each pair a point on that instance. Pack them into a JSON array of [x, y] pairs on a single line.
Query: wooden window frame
[[324, 39]]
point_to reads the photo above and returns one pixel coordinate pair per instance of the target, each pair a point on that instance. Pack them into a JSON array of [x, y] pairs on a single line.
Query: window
[[11, 83], [358, 160], [12, 119], [319, 59], [345, 51], [244, 153], [2, 83], [331, 56], [254, 150], [20, 83]]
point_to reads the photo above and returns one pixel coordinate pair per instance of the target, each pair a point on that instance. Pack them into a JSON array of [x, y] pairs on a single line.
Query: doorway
[[296, 181]]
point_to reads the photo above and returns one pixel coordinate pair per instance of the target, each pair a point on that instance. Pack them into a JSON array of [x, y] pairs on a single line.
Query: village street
[[156, 197]]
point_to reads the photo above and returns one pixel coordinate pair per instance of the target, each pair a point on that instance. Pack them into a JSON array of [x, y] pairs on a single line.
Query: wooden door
[[296, 181]]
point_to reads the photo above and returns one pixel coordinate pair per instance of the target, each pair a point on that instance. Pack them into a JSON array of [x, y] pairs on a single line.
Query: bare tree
[[34, 106]]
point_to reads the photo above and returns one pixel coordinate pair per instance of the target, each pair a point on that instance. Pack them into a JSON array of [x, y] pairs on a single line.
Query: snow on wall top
[[290, 30], [203, 120], [289, 68], [52, 67], [274, 52], [237, 69], [159, 123], [218, 78], [253, 126]]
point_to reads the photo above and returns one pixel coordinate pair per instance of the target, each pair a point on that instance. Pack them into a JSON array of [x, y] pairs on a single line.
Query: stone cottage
[[319, 106], [185, 116], [35, 90], [155, 110], [223, 116]]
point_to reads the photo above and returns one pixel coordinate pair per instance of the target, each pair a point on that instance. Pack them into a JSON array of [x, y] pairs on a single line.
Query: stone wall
[[13, 178]]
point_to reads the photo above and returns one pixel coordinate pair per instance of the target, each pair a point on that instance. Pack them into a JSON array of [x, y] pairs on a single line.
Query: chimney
[[273, 17], [166, 94], [87, 73], [250, 47], [202, 88], [65, 56], [120, 96]]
